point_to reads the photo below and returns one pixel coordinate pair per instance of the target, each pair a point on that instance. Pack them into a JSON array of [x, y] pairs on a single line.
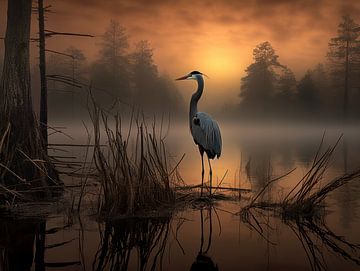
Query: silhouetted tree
[[152, 92], [285, 92], [320, 76], [144, 74], [79, 61], [42, 69], [344, 57], [65, 100], [258, 86], [72, 62], [308, 94], [111, 70], [43, 34], [327, 96]]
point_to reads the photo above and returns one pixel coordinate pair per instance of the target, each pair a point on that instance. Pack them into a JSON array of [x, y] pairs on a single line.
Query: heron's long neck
[[196, 97]]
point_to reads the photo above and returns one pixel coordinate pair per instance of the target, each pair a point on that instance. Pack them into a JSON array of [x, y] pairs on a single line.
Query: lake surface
[[200, 238]]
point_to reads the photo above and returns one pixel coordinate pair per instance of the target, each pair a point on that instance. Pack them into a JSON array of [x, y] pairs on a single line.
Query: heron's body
[[204, 130], [206, 134]]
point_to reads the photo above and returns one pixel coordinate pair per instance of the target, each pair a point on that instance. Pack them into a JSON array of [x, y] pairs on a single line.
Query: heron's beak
[[182, 78]]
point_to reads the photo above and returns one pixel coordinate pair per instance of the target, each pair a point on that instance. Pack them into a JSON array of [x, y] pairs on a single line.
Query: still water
[[209, 238]]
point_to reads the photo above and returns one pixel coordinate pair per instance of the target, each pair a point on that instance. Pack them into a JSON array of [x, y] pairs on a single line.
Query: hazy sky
[[215, 37]]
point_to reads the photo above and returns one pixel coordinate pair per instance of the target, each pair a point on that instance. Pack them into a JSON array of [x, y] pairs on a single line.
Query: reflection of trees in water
[[310, 232], [146, 237], [203, 261], [280, 150], [17, 244], [304, 213], [314, 235], [19, 238], [306, 149], [348, 202], [257, 165], [259, 170], [347, 197], [285, 153]]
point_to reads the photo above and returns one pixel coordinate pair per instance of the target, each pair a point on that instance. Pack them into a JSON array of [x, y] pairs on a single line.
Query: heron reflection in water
[[203, 261]]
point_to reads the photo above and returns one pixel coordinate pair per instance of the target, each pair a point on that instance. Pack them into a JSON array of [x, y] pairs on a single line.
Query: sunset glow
[[218, 62], [216, 37], [179, 135]]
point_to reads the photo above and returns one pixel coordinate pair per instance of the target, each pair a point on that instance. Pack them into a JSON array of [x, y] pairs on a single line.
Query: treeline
[[328, 91], [120, 73]]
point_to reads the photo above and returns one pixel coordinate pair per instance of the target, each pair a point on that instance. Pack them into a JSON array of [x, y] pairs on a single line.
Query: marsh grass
[[303, 211], [145, 238], [25, 177], [133, 167], [310, 231], [306, 198], [8, 191]]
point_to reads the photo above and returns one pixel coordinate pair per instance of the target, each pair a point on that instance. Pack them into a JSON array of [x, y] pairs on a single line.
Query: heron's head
[[191, 76]]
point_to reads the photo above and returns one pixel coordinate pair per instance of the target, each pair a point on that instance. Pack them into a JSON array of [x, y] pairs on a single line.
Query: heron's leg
[[202, 231], [202, 171], [210, 230], [210, 175]]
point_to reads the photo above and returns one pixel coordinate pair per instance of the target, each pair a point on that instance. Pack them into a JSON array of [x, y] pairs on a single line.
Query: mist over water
[[283, 84], [280, 146], [251, 153]]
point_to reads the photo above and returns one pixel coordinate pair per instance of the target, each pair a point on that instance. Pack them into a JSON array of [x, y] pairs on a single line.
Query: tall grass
[[303, 210], [307, 196], [134, 170]]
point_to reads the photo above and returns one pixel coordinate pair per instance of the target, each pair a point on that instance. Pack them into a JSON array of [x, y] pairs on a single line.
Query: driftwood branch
[[189, 187], [59, 53]]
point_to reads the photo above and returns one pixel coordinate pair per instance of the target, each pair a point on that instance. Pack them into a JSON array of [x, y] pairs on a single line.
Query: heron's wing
[[206, 133]]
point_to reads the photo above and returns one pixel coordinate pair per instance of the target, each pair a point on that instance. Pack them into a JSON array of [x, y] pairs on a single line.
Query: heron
[[204, 129]]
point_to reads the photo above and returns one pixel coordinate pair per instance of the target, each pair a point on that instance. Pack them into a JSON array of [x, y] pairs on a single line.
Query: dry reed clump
[[133, 169], [307, 196], [303, 211], [310, 195], [21, 176], [8, 191]]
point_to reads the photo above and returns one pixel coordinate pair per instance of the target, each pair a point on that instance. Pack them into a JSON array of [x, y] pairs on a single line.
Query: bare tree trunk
[[42, 66], [15, 83], [16, 110], [346, 85]]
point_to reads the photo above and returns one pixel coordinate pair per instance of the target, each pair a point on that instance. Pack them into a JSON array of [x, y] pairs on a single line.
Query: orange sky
[[215, 37]]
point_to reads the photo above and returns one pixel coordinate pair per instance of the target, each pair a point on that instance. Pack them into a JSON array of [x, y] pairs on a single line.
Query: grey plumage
[[204, 130], [206, 133]]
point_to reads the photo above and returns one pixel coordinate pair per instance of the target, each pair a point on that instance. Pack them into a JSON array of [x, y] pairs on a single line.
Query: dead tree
[[343, 55], [43, 34], [22, 150], [42, 67]]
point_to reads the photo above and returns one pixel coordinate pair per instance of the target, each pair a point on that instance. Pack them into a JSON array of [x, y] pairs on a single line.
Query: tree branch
[[50, 33]]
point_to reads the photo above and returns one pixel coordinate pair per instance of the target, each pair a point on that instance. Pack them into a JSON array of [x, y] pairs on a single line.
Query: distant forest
[[128, 78], [328, 91], [269, 89]]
